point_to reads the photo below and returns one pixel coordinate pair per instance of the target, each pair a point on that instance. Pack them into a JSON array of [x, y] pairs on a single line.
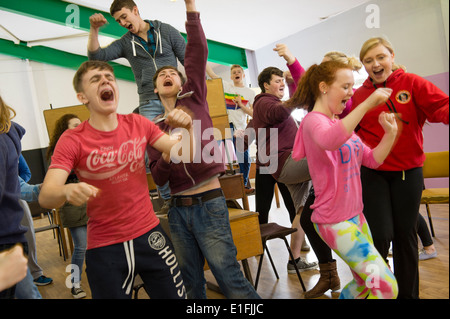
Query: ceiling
[[238, 24], [249, 24]]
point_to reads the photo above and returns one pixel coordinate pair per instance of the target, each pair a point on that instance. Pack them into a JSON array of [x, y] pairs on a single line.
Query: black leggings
[[264, 185], [321, 249], [424, 232], [391, 207]]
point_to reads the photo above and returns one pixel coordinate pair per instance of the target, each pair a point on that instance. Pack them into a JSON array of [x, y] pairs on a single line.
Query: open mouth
[[378, 73], [167, 83], [107, 95]]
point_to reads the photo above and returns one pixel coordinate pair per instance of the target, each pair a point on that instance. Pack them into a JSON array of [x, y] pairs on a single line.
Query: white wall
[[30, 87], [418, 30], [415, 28]]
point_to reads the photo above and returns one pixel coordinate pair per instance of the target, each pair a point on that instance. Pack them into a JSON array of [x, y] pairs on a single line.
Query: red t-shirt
[[113, 162]]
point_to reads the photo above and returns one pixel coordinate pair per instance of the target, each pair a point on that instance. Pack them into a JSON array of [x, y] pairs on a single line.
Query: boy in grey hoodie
[[148, 45]]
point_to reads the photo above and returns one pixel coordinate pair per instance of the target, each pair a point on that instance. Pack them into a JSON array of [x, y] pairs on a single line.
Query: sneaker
[[78, 293], [423, 255], [42, 281], [302, 265]]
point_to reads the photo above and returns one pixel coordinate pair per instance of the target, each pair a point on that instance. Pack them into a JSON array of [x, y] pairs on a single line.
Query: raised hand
[[284, 52], [381, 95], [190, 5], [388, 122], [97, 20]]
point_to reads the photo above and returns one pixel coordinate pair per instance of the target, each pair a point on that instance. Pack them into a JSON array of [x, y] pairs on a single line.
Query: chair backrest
[[233, 188], [436, 165], [36, 210]]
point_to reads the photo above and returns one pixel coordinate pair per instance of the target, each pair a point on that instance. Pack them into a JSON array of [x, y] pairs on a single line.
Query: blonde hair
[[235, 66], [372, 43], [6, 114], [353, 62]]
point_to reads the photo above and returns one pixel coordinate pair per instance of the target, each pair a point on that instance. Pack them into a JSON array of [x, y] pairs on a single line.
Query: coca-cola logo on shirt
[[111, 161]]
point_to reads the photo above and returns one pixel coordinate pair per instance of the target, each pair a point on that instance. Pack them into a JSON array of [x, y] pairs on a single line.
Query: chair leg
[[258, 272], [265, 249], [429, 219], [247, 272], [272, 263], [61, 250], [50, 221], [295, 265]]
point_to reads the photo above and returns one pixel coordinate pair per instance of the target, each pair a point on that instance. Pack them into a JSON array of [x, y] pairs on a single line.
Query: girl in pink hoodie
[[335, 155]]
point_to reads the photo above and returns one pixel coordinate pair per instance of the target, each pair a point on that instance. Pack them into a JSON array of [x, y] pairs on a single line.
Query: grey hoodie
[[170, 45]]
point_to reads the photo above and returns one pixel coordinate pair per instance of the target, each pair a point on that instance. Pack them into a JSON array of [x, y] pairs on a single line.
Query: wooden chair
[[273, 231], [243, 222], [435, 166], [233, 189], [54, 225]]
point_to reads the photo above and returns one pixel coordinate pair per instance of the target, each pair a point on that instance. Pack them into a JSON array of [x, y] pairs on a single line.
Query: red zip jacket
[[416, 100], [207, 162]]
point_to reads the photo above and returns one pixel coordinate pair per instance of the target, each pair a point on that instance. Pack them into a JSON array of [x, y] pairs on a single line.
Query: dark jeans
[[391, 206], [202, 231]]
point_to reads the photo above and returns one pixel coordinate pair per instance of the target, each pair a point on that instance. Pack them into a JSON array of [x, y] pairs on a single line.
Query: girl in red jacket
[[392, 192]]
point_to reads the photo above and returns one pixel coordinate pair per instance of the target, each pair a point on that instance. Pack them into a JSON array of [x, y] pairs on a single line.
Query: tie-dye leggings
[[352, 241]]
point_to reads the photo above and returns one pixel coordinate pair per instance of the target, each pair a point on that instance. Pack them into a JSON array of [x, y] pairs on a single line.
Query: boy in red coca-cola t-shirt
[[107, 154]]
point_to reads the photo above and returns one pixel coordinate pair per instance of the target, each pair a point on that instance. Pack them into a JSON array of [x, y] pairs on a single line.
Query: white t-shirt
[[235, 113]]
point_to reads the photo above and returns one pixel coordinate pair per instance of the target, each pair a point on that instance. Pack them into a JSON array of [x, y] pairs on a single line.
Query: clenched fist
[[179, 119], [97, 20]]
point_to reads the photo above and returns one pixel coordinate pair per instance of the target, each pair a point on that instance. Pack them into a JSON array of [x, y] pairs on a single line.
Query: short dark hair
[[118, 5], [86, 66], [266, 75], [155, 76]]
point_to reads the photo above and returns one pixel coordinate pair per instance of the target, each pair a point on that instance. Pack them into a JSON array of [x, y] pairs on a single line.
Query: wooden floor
[[434, 273]]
